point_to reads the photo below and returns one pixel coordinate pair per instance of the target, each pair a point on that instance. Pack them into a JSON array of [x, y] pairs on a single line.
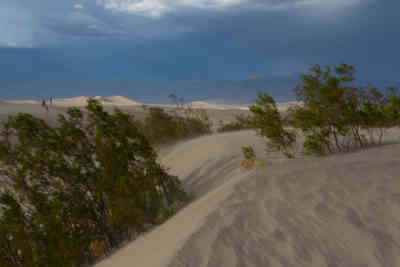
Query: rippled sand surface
[[341, 210]]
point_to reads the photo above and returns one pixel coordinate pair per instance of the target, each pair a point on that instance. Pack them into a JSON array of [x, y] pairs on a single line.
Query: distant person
[[45, 105], [51, 101]]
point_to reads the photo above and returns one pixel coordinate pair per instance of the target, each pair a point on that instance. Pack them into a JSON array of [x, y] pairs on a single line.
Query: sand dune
[[23, 101], [80, 101], [283, 106], [123, 101], [158, 247], [104, 100], [205, 105], [342, 210]]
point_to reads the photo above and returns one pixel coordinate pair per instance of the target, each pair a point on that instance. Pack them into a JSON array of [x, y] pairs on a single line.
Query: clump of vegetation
[[334, 115], [250, 160], [248, 152], [161, 127], [241, 123], [269, 123], [71, 193]]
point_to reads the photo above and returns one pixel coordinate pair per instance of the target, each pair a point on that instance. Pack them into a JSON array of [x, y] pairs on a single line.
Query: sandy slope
[[208, 156], [342, 210]]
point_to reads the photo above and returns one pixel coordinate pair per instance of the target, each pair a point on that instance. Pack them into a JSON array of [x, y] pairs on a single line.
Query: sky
[[46, 44]]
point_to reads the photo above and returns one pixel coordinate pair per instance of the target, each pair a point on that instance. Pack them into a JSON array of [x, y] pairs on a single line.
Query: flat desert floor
[[335, 211]]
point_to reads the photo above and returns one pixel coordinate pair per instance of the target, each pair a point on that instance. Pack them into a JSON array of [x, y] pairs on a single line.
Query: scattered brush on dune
[[241, 123], [181, 123], [335, 116]]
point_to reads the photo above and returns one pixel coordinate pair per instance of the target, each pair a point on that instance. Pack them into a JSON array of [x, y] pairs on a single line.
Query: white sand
[[342, 210], [205, 105], [106, 101]]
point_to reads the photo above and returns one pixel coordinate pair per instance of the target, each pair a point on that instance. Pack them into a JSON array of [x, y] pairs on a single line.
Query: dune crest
[[23, 101], [104, 100], [116, 100], [206, 105]]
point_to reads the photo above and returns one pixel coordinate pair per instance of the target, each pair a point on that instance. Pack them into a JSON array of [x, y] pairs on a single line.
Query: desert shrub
[[241, 123], [269, 123], [334, 115], [249, 158], [78, 190], [250, 161], [391, 110], [160, 127], [248, 152]]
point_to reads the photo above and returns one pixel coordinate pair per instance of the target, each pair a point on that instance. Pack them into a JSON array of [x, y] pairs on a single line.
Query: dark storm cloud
[[204, 39], [43, 21]]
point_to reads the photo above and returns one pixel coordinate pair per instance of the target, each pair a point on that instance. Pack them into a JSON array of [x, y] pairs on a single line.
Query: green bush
[[159, 127], [334, 115], [241, 123], [78, 190], [248, 152], [269, 123]]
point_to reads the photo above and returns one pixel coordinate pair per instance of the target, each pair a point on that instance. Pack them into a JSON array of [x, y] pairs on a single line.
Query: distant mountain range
[[211, 91]]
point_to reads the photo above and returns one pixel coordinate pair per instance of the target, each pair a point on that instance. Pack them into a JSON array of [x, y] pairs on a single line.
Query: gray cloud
[[42, 22], [78, 23], [159, 8]]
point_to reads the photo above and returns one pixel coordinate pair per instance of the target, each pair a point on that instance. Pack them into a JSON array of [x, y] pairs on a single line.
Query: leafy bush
[[269, 123], [241, 123], [334, 115], [250, 160], [248, 152], [159, 127], [76, 191], [337, 116]]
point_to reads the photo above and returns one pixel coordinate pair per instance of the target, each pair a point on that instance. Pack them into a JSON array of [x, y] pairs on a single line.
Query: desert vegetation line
[[332, 114]]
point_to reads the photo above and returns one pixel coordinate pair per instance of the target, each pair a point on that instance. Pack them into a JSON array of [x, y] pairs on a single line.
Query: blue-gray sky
[[46, 44]]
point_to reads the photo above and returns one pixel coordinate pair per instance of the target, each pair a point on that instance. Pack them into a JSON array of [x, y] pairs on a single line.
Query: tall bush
[[160, 127], [269, 123], [75, 191], [334, 115], [241, 123]]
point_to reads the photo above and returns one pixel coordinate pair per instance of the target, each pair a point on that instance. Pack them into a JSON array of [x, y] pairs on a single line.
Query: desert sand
[[339, 210]]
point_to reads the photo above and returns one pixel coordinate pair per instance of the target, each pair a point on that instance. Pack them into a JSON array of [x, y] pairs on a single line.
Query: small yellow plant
[[250, 160]]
